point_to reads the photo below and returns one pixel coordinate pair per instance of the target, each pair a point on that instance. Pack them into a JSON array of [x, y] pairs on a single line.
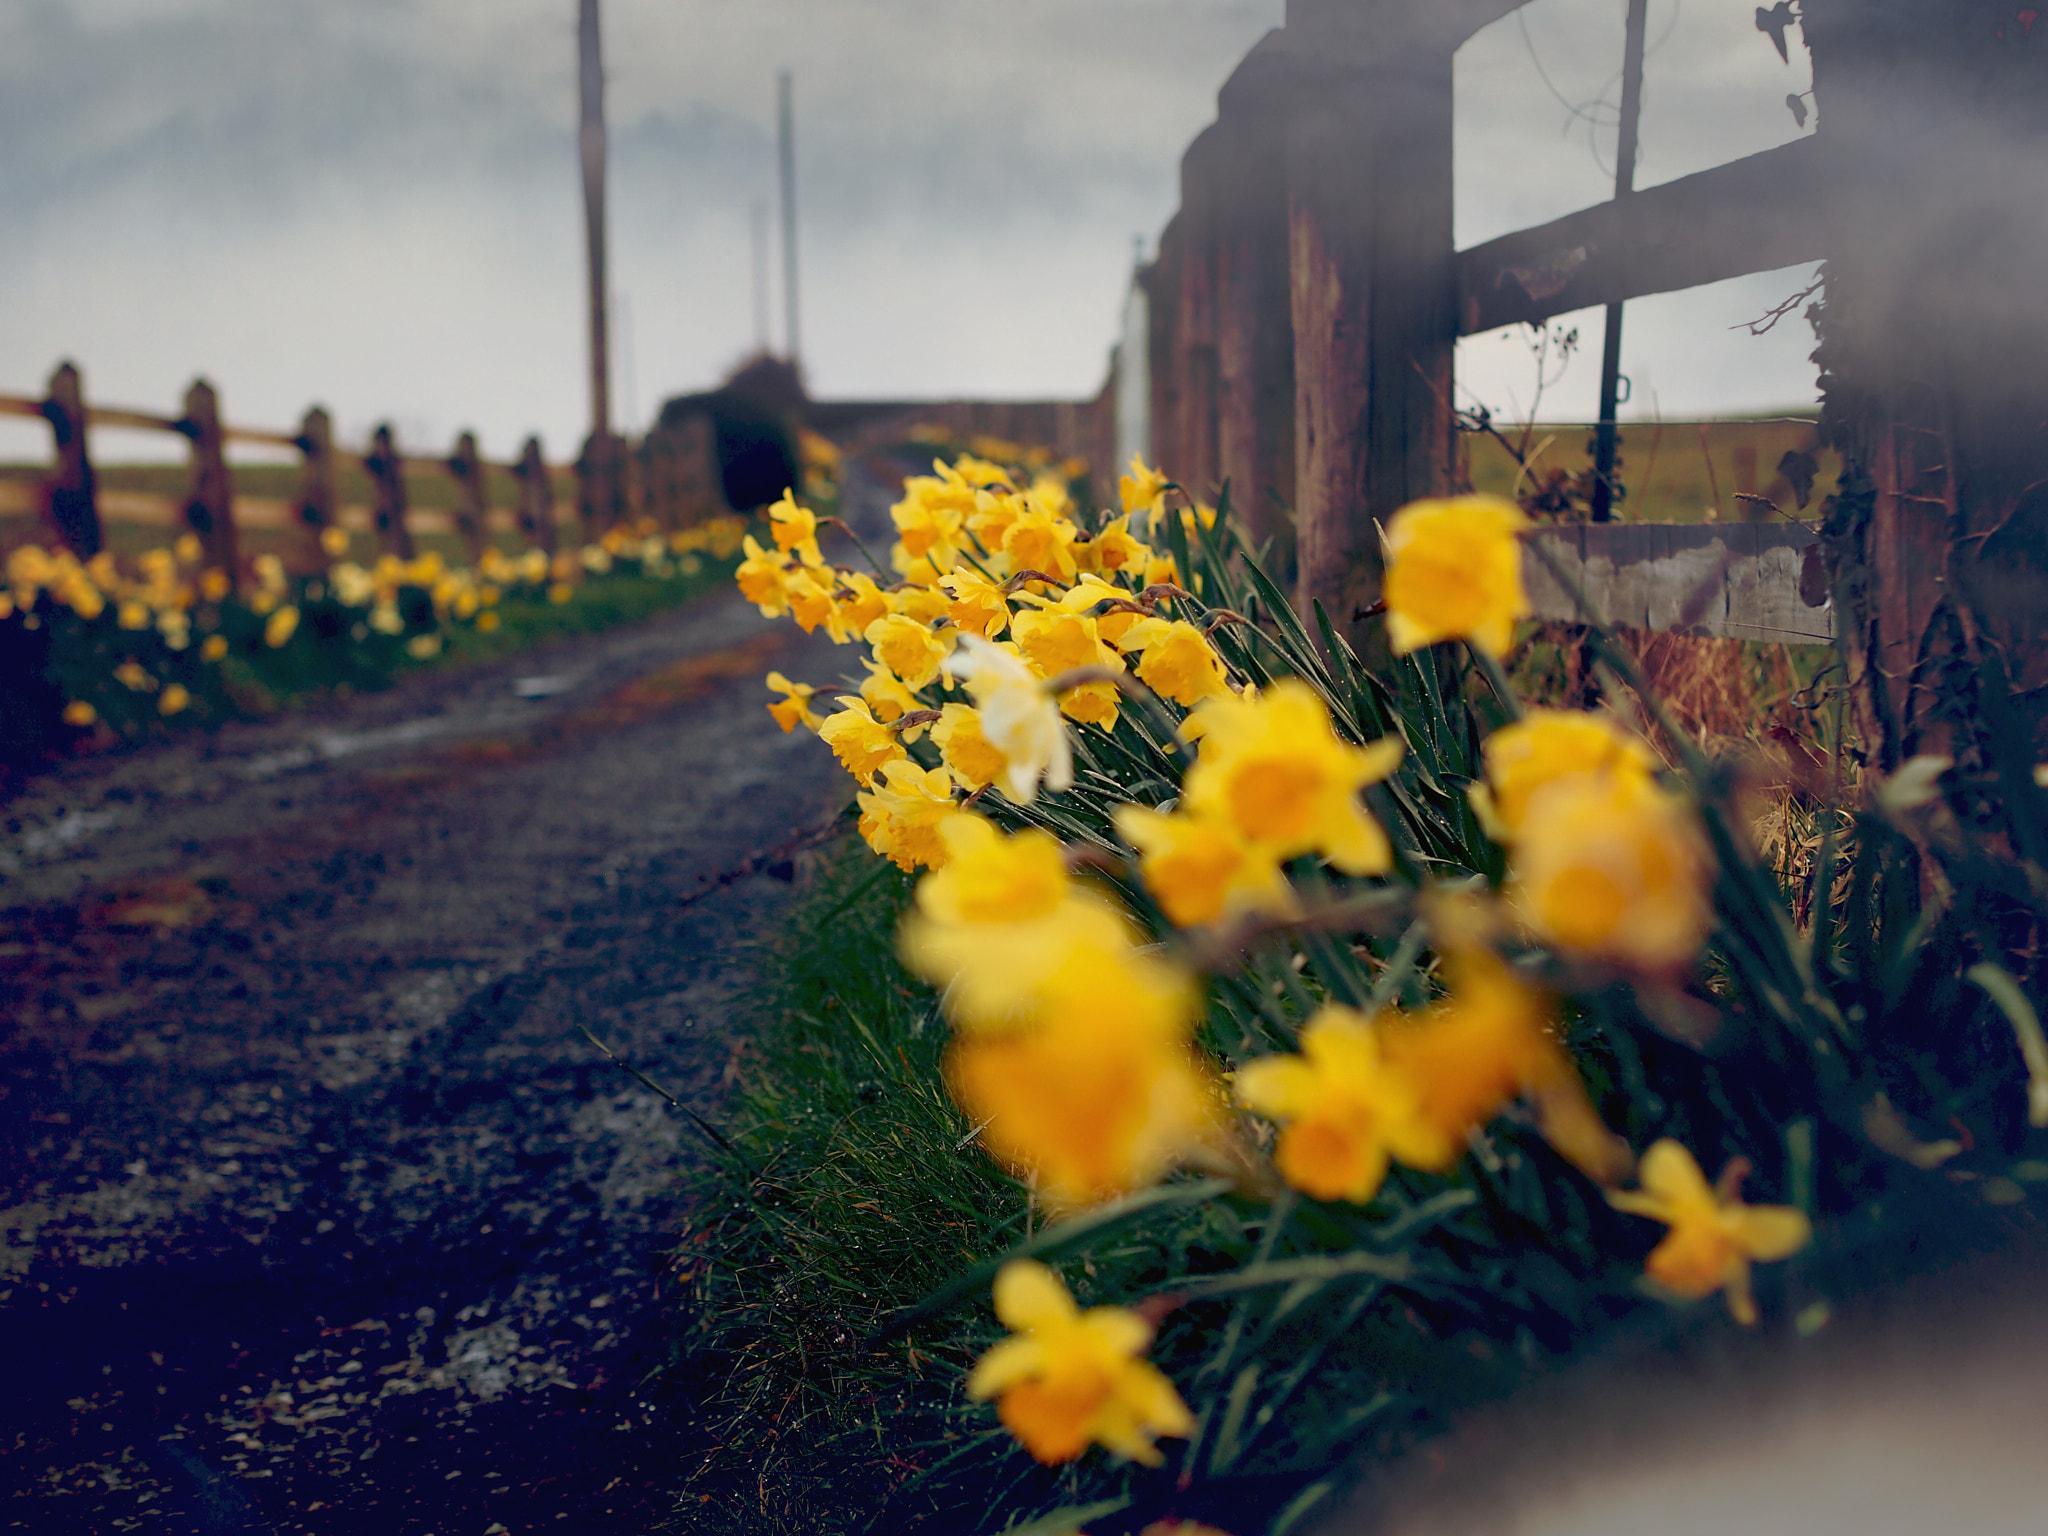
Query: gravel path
[[319, 1213]]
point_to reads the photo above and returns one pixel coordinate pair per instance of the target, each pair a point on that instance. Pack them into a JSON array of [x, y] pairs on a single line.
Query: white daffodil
[[1019, 717]]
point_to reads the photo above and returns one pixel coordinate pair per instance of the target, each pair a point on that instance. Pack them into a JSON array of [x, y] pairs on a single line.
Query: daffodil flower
[[1545, 745], [907, 648], [1201, 868], [1178, 660], [1100, 1090], [860, 741], [1611, 866], [1274, 768], [795, 529], [795, 708], [903, 811], [1067, 1379], [1142, 490], [1344, 1110], [964, 748], [1454, 572], [1018, 718], [1714, 1237]]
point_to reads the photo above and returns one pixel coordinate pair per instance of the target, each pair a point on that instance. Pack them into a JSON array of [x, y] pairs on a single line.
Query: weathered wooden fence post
[[598, 492], [210, 509], [1194, 340], [1934, 331], [1161, 281], [472, 503], [72, 496], [1370, 246], [387, 478], [1254, 323], [316, 482], [536, 498]]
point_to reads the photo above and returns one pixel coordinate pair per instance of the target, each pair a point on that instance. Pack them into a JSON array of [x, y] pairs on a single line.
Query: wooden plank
[[21, 405], [1742, 581], [140, 421], [1750, 215], [73, 505]]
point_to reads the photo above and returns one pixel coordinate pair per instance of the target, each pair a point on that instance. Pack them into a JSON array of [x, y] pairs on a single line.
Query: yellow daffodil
[[860, 742], [1113, 550], [130, 675], [1454, 572], [974, 759], [1544, 746], [1060, 635], [1018, 718], [1000, 917], [1102, 1092], [763, 581], [1142, 490], [1178, 660], [928, 523], [795, 708], [795, 529], [1714, 1237], [1067, 1379], [173, 700], [860, 602], [980, 468], [901, 814], [281, 626], [333, 540], [1274, 768], [1037, 539], [1614, 868], [907, 648], [1490, 1040], [132, 614], [887, 698], [79, 714], [811, 604], [990, 878], [1200, 868], [213, 647], [1343, 1110], [990, 521], [976, 604]]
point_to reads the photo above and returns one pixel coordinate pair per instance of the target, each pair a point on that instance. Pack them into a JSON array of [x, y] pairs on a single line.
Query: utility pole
[[760, 278], [1624, 185], [785, 122], [590, 58]]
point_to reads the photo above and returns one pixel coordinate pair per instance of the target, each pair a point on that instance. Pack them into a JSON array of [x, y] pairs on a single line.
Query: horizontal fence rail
[[74, 507], [1736, 581]]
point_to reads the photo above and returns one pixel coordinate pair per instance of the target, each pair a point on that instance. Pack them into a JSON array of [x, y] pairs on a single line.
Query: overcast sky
[[374, 203]]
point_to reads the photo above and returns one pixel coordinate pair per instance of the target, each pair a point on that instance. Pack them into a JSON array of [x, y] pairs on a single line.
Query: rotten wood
[[472, 502], [1369, 217], [387, 480], [70, 499], [317, 502], [1254, 323], [210, 508], [1194, 329], [536, 498], [1751, 215]]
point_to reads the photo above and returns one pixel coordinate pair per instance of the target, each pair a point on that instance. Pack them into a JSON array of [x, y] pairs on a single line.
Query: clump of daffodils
[[1108, 805], [138, 641]]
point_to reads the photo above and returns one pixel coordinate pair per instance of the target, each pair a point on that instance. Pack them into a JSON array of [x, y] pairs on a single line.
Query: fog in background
[[375, 203]]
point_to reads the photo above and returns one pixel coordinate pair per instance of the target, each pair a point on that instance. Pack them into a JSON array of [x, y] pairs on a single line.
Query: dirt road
[[319, 1213]]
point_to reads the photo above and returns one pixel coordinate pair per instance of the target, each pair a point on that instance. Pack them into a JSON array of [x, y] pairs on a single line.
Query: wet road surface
[[317, 1211]]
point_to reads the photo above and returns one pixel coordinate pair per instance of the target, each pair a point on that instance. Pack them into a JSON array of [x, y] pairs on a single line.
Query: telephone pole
[[785, 122], [1624, 186], [590, 57]]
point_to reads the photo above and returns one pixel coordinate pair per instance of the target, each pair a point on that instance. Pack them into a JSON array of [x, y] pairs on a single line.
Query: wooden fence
[[1307, 296], [73, 507]]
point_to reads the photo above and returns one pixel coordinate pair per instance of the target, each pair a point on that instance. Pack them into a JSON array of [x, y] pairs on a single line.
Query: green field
[[1673, 471]]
